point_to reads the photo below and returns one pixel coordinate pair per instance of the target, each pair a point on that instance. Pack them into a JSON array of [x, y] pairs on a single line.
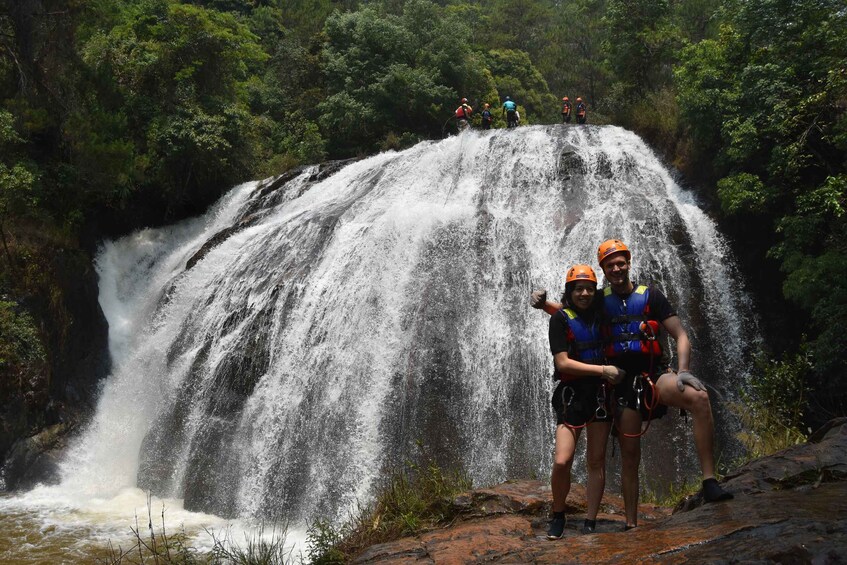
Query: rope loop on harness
[[638, 387]]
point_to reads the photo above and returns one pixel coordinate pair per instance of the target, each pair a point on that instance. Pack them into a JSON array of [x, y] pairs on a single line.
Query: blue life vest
[[510, 105], [624, 317], [587, 342]]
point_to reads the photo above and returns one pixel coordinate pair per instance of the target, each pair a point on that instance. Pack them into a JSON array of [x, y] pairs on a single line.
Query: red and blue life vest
[[586, 340], [624, 318]]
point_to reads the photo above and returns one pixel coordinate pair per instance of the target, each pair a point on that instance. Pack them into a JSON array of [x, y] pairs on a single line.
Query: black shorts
[[576, 402], [627, 395]]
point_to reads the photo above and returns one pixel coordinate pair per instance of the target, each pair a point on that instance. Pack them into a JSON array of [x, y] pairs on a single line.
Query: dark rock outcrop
[[35, 459], [790, 507], [64, 391]]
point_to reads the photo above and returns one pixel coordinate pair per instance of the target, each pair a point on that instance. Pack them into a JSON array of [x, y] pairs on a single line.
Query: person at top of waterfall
[[463, 114], [487, 116], [566, 110], [510, 112], [580, 399], [581, 111], [634, 315]]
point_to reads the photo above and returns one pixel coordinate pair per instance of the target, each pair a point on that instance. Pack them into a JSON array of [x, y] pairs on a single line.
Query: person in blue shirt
[[510, 111]]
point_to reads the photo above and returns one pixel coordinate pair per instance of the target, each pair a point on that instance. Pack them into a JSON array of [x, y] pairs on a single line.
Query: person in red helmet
[[581, 111], [581, 396], [566, 110], [463, 115], [633, 317]]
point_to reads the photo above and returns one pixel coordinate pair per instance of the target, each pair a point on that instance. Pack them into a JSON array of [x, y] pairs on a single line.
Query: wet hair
[[595, 305]]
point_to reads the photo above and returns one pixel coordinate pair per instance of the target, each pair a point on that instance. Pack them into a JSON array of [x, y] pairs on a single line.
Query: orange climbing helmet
[[610, 247], [578, 99], [580, 273], [565, 99], [464, 100]]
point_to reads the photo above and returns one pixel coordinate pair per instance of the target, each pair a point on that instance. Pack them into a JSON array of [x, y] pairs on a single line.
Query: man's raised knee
[[699, 402]]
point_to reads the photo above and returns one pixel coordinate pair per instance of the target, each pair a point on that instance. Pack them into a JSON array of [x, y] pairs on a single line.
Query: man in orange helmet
[[566, 110], [634, 316]]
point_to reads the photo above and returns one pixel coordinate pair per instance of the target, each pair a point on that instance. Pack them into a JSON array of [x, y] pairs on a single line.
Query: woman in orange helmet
[[580, 399]]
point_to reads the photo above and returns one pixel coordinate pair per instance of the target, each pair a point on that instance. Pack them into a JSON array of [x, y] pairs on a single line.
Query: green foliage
[[20, 343], [519, 25], [257, 549], [396, 72], [322, 545], [157, 545], [772, 407], [667, 495], [705, 89], [515, 76], [573, 60], [17, 178], [641, 41], [410, 500], [178, 73], [767, 98], [656, 116], [742, 193]]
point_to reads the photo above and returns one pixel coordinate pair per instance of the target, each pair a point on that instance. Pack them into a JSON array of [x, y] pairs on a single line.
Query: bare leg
[[630, 423], [560, 481], [696, 402], [597, 438]]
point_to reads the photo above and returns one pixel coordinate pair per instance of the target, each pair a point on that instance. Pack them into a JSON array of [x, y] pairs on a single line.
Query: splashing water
[[335, 326]]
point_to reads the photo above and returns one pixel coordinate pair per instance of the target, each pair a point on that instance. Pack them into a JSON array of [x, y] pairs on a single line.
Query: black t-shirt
[[660, 310]]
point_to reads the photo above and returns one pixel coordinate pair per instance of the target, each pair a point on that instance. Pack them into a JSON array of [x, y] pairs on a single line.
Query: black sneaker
[[712, 491], [589, 526], [557, 527]]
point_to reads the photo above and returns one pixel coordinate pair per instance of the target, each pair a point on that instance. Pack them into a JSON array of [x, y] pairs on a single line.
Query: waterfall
[[273, 357]]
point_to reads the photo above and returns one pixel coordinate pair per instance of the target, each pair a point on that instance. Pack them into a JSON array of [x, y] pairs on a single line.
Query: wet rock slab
[[790, 507]]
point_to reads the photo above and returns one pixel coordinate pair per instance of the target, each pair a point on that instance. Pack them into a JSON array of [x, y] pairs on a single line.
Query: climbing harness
[[649, 332], [600, 412]]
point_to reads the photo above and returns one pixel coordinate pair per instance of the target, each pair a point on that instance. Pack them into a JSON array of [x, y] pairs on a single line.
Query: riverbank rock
[[36, 459], [790, 507]]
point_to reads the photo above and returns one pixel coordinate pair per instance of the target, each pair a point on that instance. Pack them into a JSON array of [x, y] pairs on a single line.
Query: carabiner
[[601, 412], [638, 387], [565, 390]]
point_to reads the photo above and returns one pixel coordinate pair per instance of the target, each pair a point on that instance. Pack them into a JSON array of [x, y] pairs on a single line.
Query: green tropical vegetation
[[118, 114], [410, 500]]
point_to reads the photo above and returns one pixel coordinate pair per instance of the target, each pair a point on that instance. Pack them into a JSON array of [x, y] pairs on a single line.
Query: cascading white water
[[339, 323]]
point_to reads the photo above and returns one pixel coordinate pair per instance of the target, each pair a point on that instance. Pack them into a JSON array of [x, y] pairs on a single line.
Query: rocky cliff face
[[790, 507], [39, 411]]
